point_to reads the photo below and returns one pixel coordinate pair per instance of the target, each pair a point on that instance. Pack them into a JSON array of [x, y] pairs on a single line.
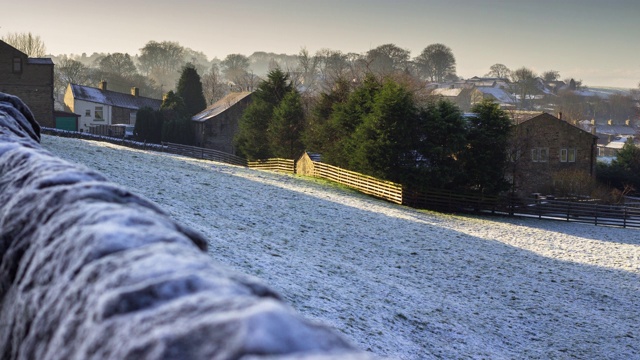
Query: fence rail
[[275, 164], [366, 184], [203, 153], [95, 137], [571, 211], [584, 212], [449, 201], [439, 200]]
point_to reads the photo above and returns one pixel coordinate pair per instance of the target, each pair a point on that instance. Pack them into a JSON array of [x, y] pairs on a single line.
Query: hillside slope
[[396, 281]]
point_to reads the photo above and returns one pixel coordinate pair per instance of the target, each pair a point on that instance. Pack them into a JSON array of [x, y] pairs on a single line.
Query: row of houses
[[546, 145]]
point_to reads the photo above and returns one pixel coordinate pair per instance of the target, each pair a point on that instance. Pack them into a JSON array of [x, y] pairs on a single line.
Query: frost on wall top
[[90, 270]]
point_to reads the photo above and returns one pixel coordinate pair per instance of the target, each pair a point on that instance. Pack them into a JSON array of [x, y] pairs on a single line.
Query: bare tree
[[28, 43], [308, 68], [499, 71], [436, 62], [235, 68], [118, 63], [213, 87], [523, 86], [572, 106], [161, 61], [332, 66], [551, 75], [68, 71], [387, 59]]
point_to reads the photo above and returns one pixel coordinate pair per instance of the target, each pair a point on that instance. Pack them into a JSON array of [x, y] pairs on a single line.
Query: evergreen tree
[[176, 125], [274, 89], [485, 157], [443, 137], [255, 127], [344, 120], [285, 129], [190, 90], [145, 119], [624, 171], [384, 143], [251, 139], [315, 137]]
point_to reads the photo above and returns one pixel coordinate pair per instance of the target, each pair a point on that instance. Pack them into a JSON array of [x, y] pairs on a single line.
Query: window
[[544, 154], [87, 113], [17, 65], [563, 155], [513, 156], [540, 154], [567, 155], [99, 113]]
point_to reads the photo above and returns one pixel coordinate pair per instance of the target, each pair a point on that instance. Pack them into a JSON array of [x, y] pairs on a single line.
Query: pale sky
[[597, 41]]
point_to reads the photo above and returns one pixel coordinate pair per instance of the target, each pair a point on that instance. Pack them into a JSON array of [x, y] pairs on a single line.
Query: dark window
[[17, 65], [98, 113]]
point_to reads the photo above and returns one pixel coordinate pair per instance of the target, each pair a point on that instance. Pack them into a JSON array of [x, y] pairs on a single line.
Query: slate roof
[[39, 61], [447, 92], [220, 106], [499, 94], [615, 130], [113, 98]]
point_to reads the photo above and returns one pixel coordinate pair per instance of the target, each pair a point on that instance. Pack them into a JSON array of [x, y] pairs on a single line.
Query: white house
[[99, 106]]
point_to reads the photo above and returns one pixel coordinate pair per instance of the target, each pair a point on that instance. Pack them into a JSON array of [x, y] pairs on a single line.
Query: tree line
[[380, 128], [156, 69], [172, 122], [345, 105]]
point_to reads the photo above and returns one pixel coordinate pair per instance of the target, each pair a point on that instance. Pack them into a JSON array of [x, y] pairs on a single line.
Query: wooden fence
[[449, 201], [203, 153], [275, 164], [584, 212], [439, 200], [386, 190], [589, 212]]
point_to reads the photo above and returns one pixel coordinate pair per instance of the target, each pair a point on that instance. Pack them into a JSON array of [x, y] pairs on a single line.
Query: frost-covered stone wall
[[90, 270]]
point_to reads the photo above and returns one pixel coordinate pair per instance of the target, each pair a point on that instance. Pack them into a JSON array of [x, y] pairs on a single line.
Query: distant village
[[110, 105]]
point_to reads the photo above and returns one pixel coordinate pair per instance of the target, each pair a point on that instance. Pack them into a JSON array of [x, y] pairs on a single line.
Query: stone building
[[549, 156], [100, 106], [30, 79], [216, 126]]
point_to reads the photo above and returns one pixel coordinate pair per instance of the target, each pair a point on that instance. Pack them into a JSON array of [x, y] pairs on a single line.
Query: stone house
[[100, 106], [549, 156], [217, 125], [30, 79]]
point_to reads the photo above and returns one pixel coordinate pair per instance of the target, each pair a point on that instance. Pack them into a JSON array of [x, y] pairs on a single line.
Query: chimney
[[560, 115], [103, 85], [627, 122], [135, 91]]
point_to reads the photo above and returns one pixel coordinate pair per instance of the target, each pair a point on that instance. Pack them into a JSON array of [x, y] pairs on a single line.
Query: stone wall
[[91, 270], [547, 132], [34, 84]]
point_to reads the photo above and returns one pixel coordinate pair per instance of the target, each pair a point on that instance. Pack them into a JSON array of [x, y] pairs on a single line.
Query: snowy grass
[[396, 281]]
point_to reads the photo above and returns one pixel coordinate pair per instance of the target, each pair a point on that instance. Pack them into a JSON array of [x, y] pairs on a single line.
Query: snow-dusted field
[[396, 281]]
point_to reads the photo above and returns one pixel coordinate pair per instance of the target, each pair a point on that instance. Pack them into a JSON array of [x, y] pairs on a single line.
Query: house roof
[[549, 116], [615, 130], [618, 143], [447, 92], [39, 61], [220, 106], [113, 98], [499, 94]]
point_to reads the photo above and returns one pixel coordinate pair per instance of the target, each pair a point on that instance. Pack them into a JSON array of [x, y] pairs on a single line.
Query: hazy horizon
[[582, 39]]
